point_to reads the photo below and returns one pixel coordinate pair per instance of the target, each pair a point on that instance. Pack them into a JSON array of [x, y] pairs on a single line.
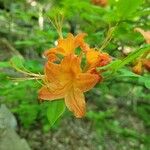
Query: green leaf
[[55, 110], [4, 64], [25, 43], [146, 80], [126, 7], [147, 83], [17, 61], [127, 73], [112, 65]]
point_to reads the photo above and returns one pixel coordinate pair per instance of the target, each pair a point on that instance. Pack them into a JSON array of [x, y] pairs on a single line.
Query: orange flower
[[146, 34], [138, 69], [96, 58], [66, 46], [66, 80], [141, 65]]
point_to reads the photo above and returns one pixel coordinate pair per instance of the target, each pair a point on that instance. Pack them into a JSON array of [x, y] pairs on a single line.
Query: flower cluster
[[70, 71]]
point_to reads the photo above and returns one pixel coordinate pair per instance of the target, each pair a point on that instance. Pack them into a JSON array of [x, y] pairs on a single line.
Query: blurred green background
[[118, 115]]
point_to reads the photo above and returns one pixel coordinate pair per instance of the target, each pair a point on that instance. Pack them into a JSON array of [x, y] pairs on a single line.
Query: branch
[[9, 46]]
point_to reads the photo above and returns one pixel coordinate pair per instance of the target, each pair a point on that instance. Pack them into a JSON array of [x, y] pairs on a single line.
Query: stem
[[108, 37]]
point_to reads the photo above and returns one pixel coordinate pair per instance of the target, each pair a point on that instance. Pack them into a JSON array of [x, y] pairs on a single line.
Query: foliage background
[[118, 109]]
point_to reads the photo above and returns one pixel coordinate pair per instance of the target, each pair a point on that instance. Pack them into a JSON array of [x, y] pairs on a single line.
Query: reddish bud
[[102, 3]]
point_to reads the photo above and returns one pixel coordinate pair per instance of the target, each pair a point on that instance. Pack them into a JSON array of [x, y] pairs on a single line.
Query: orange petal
[[51, 55], [104, 59], [71, 63], [92, 56], [54, 51], [86, 81], [146, 34], [97, 59], [49, 51], [79, 40], [85, 47], [68, 44], [52, 71], [46, 94], [75, 65], [138, 68], [75, 102]]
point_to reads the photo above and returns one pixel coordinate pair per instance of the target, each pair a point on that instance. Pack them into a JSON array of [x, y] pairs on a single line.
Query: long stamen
[[57, 23], [30, 75], [23, 79], [25, 71]]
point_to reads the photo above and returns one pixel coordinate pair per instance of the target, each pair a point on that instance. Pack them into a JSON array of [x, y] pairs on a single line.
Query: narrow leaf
[[4, 64]]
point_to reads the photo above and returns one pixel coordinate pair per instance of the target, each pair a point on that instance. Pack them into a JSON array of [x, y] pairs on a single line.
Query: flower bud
[[102, 3]]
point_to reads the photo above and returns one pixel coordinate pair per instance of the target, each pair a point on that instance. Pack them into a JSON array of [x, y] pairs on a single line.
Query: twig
[[9, 46]]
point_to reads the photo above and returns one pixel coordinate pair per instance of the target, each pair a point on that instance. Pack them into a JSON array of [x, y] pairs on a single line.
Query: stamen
[[24, 70], [57, 23]]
